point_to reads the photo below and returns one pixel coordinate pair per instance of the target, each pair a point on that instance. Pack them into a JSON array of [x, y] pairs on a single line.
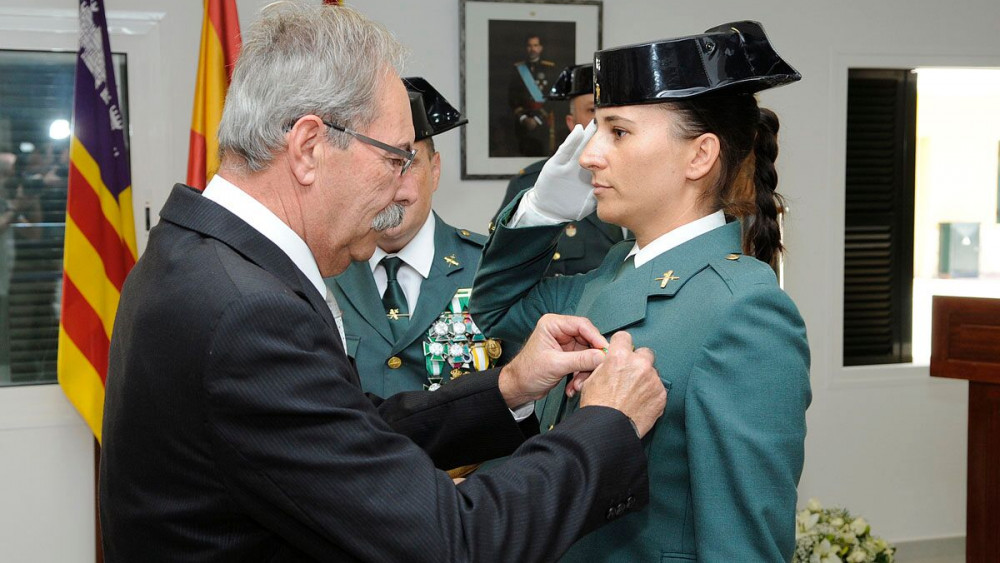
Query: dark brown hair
[[745, 189]]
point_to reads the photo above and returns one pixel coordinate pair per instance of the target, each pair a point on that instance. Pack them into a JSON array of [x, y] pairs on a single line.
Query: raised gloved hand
[[563, 191]]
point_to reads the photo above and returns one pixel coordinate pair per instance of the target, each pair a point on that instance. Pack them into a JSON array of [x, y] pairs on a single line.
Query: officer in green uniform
[[682, 155], [583, 244], [405, 310]]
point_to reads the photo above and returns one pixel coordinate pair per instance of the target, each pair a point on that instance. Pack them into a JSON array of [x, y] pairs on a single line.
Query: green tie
[[394, 300]]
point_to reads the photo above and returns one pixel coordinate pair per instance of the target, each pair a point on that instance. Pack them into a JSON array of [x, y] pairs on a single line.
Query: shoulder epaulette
[[474, 238]]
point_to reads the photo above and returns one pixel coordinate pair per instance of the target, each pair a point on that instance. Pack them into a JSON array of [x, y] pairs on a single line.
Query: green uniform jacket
[[725, 459], [369, 338], [582, 245]]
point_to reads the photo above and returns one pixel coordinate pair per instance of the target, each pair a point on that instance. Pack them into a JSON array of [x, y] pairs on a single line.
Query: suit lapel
[[187, 208], [358, 284], [437, 290]]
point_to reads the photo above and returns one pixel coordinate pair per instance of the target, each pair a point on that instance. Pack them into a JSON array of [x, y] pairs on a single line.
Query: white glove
[[563, 190]]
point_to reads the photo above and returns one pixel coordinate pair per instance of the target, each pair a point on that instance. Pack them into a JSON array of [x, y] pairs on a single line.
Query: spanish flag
[[220, 45], [99, 243]]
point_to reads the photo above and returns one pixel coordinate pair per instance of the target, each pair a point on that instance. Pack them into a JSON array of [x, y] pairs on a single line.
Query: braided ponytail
[[762, 236]]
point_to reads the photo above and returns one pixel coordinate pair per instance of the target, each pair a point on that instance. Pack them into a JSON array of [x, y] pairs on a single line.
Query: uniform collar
[[418, 253], [264, 221], [677, 237]]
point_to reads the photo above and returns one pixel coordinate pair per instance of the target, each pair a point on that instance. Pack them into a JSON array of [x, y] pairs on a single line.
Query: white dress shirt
[[253, 213], [417, 257]]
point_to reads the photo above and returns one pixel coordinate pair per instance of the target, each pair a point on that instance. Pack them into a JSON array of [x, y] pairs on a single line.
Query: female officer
[[682, 156]]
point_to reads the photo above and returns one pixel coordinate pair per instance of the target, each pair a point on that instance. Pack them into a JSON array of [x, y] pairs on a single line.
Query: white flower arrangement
[[832, 535]]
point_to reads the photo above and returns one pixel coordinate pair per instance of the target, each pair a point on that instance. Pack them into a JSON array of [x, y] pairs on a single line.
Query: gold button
[[733, 257], [394, 362], [551, 426], [556, 256], [465, 233], [571, 230]]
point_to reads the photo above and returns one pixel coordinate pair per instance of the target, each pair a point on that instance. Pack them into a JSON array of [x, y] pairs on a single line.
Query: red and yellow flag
[[99, 243], [220, 45]]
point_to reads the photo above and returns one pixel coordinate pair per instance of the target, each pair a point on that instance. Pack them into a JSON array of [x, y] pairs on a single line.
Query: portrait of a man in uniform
[[524, 63]]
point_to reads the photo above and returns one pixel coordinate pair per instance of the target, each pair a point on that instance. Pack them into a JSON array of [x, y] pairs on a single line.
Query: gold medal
[[493, 349]]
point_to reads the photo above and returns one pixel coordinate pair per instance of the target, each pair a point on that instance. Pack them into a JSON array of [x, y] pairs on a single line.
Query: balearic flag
[[99, 245], [220, 45]]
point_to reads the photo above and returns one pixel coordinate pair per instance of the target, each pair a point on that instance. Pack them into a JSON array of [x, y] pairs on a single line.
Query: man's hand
[[627, 381], [563, 190], [558, 346]]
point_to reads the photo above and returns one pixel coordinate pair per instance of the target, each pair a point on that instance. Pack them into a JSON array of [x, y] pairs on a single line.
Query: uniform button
[[611, 513], [465, 233], [630, 501], [556, 256], [551, 426], [571, 230], [620, 509], [394, 362]]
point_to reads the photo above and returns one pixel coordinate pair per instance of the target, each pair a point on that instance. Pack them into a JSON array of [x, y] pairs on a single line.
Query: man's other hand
[[628, 382]]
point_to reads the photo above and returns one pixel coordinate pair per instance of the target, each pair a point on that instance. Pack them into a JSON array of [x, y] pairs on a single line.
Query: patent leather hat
[[432, 114], [733, 58], [573, 81]]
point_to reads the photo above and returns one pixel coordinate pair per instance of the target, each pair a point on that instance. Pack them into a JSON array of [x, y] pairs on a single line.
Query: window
[[921, 204], [878, 229], [36, 103]]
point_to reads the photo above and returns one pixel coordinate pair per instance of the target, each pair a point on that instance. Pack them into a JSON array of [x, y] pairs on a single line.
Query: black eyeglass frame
[[406, 155]]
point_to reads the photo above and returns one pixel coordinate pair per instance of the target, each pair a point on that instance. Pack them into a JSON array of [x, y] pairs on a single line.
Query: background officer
[[404, 310]]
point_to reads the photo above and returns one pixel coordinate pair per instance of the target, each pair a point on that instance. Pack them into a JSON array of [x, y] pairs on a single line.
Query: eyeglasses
[[406, 155]]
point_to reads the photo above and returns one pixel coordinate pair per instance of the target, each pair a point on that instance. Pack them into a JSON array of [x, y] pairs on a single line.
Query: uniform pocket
[[666, 557]]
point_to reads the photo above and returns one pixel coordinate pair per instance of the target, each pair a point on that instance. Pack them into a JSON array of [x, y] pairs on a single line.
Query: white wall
[[889, 443]]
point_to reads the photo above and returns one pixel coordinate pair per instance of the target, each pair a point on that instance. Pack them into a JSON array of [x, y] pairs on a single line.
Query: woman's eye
[[619, 133]]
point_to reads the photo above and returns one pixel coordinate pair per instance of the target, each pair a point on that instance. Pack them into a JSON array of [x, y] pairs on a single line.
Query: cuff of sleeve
[[522, 412], [528, 215]]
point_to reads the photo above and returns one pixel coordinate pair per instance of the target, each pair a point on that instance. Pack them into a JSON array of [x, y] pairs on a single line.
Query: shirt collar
[[677, 237], [252, 212], [418, 253]]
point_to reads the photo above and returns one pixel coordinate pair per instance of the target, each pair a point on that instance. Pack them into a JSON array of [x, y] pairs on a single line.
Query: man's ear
[[436, 169], [704, 154], [306, 143]]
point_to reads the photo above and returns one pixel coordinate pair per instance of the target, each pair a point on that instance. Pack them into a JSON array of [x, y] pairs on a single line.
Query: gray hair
[[298, 60]]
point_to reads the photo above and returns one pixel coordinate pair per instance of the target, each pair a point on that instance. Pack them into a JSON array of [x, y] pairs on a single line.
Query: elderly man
[[584, 243], [235, 428]]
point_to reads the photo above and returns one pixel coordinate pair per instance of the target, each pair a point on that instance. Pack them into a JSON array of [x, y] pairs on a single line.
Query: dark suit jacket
[[582, 244], [235, 429]]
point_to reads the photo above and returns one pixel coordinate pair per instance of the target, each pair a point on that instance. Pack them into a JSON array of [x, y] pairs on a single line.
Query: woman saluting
[[682, 156]]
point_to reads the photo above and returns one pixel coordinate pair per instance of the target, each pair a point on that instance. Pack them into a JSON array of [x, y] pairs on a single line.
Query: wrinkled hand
[[559, 345], [627, 381], [563, 190]]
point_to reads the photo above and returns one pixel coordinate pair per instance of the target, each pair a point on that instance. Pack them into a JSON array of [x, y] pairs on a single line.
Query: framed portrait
[[511, 53]]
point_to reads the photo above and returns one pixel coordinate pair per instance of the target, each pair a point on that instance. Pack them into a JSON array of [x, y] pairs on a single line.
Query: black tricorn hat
[[432, 114], [573, 81], [733, 58]]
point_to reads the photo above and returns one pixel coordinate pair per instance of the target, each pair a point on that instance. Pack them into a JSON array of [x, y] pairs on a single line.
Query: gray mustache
[[391, 216]]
